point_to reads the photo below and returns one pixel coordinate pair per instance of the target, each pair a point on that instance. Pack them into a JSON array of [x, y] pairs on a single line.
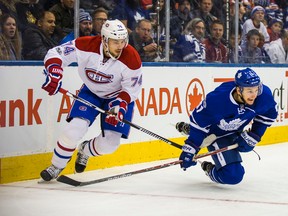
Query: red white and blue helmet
[[248, 78], [114, 29]]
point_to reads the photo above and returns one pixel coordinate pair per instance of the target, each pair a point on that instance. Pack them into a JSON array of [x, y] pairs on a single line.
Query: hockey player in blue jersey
[[243, 101]]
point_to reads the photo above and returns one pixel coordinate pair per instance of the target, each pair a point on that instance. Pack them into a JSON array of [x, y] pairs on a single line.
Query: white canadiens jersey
[[105, 79]]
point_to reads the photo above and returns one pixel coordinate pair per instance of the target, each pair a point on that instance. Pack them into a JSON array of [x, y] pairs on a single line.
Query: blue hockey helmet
[[248, 78]]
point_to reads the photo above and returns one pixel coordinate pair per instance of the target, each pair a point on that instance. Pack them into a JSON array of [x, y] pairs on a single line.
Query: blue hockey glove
[[53, 79], [118, 108], [247, 141], [187, 155]]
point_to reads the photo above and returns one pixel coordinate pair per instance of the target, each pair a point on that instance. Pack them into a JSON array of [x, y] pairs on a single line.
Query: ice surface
[[165, 192]]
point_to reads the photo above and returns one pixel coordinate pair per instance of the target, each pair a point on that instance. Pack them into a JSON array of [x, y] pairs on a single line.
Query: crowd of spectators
[[200, 30]]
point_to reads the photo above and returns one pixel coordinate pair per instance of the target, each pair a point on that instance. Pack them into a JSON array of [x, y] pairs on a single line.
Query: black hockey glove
[[183, 128]]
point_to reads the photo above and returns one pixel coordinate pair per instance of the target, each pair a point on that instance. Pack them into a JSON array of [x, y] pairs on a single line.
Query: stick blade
[[66, 180]]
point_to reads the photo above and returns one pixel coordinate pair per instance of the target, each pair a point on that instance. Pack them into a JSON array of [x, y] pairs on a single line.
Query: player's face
[[116, 46], [249, 94]]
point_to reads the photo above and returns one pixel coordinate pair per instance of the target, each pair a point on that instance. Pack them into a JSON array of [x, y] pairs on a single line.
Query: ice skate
[[82, 158], [207, 167], [50, 173]]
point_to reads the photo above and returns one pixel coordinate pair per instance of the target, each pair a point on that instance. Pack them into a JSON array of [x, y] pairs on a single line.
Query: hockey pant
[[228, 168]]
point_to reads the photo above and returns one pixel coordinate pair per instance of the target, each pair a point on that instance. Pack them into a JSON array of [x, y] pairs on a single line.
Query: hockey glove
[[118, 108], [189, 150], [247, 141], [53, 79], [183, 128]]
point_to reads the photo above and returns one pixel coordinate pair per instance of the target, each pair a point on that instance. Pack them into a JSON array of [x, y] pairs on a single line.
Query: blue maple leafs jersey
[[221, 115]]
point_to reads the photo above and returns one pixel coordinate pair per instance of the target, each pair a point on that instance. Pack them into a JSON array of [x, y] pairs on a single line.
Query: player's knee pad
[[231, 173], [108, 143], [73, 132]]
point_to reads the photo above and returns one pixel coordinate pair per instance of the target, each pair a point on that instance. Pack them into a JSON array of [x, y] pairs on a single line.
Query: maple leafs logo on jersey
[[232, 125], [97, 76]]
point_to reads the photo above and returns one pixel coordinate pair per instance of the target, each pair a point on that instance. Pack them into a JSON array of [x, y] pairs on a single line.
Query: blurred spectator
[[91, 5], [262, 3], [241, 14], [216, 51], [10, 39], [108, 5], [274, 29], [142, 41], [99, 16], [8, 7], [232, 48], [285, 19], [219, 8], [47, 4], [180, 18], [204, 12], [189, 47], [251, 52], [158, 11], [256, 22], [274, 12], [158, 21], [28, 12], [265, 57], [278, 49], [130, 12], [147, 4], [87, 5], [282, 3], [64, 14], [85, 27], [38, 39]]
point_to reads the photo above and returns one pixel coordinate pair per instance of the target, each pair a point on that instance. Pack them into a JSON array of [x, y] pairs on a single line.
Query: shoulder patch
[[88, 43], [131, 58]]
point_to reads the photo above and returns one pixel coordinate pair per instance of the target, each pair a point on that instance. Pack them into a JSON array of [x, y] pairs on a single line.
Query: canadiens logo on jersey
[[97, 76], [231, 125]]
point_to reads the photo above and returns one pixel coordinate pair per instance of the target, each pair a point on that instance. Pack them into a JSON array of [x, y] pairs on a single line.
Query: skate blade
[[42, 181]]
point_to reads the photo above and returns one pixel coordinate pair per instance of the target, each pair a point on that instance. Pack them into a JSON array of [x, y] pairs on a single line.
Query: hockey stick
[[67, 180], [66, 92], [227, 148]]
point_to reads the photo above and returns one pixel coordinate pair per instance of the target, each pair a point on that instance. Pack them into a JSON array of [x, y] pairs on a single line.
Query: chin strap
[[106, 50]]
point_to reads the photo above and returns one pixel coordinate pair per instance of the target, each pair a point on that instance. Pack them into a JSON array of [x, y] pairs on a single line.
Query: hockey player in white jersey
[[111, 71], [242, 101]]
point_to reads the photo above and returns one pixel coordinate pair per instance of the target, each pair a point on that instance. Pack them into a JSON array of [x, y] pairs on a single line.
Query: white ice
[[165, 192]]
